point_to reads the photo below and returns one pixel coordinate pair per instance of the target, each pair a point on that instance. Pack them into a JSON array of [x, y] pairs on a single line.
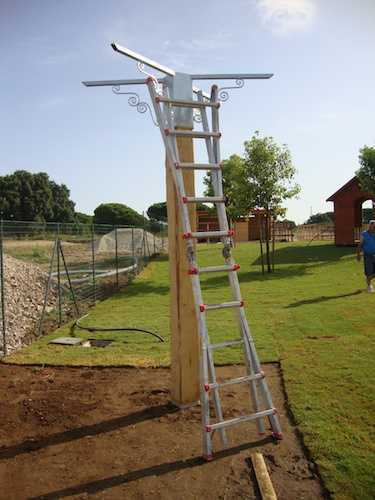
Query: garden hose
[[101, 329]]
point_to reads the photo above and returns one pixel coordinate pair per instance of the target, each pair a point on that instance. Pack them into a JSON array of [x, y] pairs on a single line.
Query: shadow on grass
[[252, 276], [93, 487], [142, 288], [87, 430], [313, 254], [322, 298]]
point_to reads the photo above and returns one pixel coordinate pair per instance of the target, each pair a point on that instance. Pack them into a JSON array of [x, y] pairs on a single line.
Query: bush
[[117, 214]]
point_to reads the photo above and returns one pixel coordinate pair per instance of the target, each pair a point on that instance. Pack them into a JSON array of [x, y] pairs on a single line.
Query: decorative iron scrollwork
[[135, 101], [157, 84], [224, 95], [197, 116]]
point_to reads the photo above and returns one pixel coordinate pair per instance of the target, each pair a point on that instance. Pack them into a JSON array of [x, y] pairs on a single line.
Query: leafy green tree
[[291, 223], [265, 179], [230, 174], [117, 214], [34, 197], [320, 218], [367, 215], [262, 179], [82, 218], [158, 211], [366, 172]]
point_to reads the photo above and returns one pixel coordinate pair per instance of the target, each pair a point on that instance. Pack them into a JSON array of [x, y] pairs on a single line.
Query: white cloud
[[182, 54], [286, 16]]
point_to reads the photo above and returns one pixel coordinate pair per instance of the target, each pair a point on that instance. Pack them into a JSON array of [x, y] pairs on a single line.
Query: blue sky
[[321, 101]]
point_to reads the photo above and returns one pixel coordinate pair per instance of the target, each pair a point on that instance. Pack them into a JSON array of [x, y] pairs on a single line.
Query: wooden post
[[185, 344], [263, 479]]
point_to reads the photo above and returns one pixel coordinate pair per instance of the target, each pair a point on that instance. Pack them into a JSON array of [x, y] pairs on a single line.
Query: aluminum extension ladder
[[255, 378]]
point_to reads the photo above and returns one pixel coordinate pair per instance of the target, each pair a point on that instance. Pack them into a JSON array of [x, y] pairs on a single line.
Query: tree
[[320, 218], [82, 218], [230, 172], [158, 211], [366, 172], [367, 215], [291, 223], [262, 179], [34, 197], [117, 214]]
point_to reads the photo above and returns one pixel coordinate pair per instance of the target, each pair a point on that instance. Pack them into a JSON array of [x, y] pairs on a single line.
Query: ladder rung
[[238, 420], [227, 343], [208, 234], [199, 166], [192, 133], [187, 104], [223, 305], [234, 381], [215, 269], [203, 199]]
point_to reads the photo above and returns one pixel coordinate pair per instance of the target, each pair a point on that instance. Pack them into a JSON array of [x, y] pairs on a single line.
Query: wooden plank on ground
[[264, 481]]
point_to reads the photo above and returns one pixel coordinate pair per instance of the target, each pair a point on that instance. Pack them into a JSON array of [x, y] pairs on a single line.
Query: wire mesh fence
[[52, 272]]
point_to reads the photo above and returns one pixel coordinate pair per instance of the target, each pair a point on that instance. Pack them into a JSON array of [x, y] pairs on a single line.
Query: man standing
[[367, 245]]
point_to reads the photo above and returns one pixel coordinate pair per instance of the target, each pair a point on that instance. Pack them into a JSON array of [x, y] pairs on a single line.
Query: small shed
[[347, 203]]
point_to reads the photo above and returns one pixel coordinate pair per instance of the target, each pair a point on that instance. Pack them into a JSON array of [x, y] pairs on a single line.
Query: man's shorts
[[369, 263]]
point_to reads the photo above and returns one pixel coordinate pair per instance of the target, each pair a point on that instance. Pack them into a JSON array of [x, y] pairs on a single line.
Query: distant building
[[245, 228], [347, 203]]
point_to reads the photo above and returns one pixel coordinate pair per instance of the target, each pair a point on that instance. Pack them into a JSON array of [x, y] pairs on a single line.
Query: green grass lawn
[[311, 315]]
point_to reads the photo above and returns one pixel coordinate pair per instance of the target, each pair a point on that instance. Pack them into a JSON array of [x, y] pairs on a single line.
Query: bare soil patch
[[111, 433]]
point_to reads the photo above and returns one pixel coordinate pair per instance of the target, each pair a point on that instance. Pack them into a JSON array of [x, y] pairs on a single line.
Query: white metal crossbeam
[[142, 59], [169, 72]]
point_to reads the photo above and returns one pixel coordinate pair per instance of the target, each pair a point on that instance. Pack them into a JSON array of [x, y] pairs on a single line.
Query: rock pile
[[24, 289]]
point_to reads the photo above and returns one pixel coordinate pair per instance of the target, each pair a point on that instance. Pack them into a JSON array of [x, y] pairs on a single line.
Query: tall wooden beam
[[183, 323]]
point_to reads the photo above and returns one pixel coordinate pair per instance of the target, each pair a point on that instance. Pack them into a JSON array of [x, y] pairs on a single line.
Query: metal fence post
[[58, 275], [116, 250], [261, 241], [273, 245], [2, 297], [93, 261], [48, 285], [144, 244], [133, 243], [69, 280]]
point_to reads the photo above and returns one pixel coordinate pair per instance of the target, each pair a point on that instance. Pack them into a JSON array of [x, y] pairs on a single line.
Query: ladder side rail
[[169, 122], [218, 175], [172, 160], [211, 158], [233, 278], [213, 150], [172, 156], [205, 126], [210, 356], [249, 341], [215, 179], [207, 371], [166, 109]]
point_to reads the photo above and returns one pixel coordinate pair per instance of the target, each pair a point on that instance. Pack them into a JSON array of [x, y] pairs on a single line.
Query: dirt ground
[[111, 434]]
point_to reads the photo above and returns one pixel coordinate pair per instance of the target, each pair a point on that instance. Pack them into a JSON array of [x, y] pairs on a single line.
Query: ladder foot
[[277, 435], [208, 458]]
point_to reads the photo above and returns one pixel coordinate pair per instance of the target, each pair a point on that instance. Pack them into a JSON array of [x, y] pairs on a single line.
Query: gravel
[[24, 289]]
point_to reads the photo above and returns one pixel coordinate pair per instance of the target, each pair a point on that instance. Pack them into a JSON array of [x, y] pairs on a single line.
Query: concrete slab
[[66, 341]]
